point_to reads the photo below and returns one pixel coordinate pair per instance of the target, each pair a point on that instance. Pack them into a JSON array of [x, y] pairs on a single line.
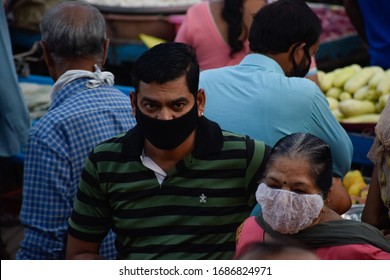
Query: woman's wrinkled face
[[291, 174]]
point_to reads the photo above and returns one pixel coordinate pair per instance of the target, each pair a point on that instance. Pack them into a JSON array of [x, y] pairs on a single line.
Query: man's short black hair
[[277, 26], [167, 62]]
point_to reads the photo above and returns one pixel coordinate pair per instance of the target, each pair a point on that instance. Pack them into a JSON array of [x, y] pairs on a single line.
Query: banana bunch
[[356, 94]]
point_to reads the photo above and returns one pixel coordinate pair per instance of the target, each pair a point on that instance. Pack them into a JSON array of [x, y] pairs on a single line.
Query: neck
[[79, 64], [167, 159], [282, 59]]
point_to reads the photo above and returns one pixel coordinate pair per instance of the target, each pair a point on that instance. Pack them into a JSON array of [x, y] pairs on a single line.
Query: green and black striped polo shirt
[[193, 214]]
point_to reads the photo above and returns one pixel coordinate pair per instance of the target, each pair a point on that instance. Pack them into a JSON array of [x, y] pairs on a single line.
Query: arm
[[90, 220], [47, 202], [77, 249], [353, 11], [326, 127], [375, 212], [338, 198], [181, 35]]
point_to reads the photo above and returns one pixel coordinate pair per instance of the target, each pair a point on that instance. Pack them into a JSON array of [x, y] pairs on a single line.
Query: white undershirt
[[149, 163]]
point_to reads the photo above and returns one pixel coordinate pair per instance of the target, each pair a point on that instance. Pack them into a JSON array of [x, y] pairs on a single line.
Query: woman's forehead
[[297, 167]]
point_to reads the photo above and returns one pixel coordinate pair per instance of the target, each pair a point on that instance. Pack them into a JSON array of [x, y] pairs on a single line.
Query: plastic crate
[[340, 47], [361, 145]]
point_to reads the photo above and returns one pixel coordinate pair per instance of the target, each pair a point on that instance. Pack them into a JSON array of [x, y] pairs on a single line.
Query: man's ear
[[298, 50], [46, 55], [201, 100], [51, 66], [133, 101]]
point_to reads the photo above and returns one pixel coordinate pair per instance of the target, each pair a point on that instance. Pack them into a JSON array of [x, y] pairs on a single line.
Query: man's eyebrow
[[180, 99], [148, 99]]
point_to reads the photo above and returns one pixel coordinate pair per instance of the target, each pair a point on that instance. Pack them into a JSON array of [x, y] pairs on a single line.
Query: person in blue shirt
[[371, 20], [86, 109], [14, 118], [266, 96]]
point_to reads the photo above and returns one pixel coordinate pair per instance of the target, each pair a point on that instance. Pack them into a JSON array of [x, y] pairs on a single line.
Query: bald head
[[73, 29]]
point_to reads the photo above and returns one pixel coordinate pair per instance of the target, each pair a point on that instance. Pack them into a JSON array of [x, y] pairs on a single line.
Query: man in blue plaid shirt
[[85, 110]]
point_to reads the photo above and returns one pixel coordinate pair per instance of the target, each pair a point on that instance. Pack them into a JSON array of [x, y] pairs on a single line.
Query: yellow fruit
[[359, 79], [344, 75], [351, 177], [333, 103], [356, 188], [345, 96], [333, 92], [337, 114], [365, 118], [320, 75], [354, 107], [383, 85], [327, 81], [373, 82], [380, 105], [364, 192]]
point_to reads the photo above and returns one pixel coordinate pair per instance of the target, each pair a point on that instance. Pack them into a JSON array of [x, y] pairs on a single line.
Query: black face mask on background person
[[302, 69], [167, 134]]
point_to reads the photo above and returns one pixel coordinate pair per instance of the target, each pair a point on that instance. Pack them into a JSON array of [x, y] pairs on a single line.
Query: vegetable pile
[[356, 94]]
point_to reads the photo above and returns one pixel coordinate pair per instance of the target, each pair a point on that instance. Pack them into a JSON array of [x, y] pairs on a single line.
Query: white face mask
[[288, 212]]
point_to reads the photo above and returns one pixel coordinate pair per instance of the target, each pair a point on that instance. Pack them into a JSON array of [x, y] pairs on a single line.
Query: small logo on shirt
[[202, 198]]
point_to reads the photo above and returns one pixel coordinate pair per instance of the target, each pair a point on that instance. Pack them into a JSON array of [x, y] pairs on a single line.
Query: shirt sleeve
[[46, 202], [91, 216]]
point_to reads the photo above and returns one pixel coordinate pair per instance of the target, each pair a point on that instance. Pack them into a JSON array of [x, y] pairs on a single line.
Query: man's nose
[[165, 114]]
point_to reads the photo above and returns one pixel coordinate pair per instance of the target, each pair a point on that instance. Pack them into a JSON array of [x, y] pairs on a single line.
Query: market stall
[[127, 19], [340, 46]]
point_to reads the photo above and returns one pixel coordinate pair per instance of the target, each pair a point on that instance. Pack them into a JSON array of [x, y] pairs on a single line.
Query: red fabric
[[251, 233]]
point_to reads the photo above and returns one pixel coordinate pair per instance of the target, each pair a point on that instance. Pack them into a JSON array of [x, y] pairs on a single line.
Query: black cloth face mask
[[167, 134], [301, 70]]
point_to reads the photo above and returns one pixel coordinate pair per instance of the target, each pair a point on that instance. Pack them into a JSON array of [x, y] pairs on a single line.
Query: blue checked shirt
[[77, 120]]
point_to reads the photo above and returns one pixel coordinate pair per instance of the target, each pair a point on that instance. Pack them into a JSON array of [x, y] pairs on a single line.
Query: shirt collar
[[263, 61], [209, 140]]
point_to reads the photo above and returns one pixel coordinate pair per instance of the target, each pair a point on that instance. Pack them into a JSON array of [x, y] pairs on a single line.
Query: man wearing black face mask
[[175, 186], [266, 96]]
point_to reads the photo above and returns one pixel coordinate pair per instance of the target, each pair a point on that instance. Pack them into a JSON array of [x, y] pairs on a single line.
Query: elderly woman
[[296, 183]]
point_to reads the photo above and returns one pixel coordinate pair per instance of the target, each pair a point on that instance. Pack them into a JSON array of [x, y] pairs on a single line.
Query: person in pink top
[[218, 30], [292, 194]]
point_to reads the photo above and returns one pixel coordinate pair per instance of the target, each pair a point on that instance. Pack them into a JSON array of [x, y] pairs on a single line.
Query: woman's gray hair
[[311, 148], [74, 29]]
